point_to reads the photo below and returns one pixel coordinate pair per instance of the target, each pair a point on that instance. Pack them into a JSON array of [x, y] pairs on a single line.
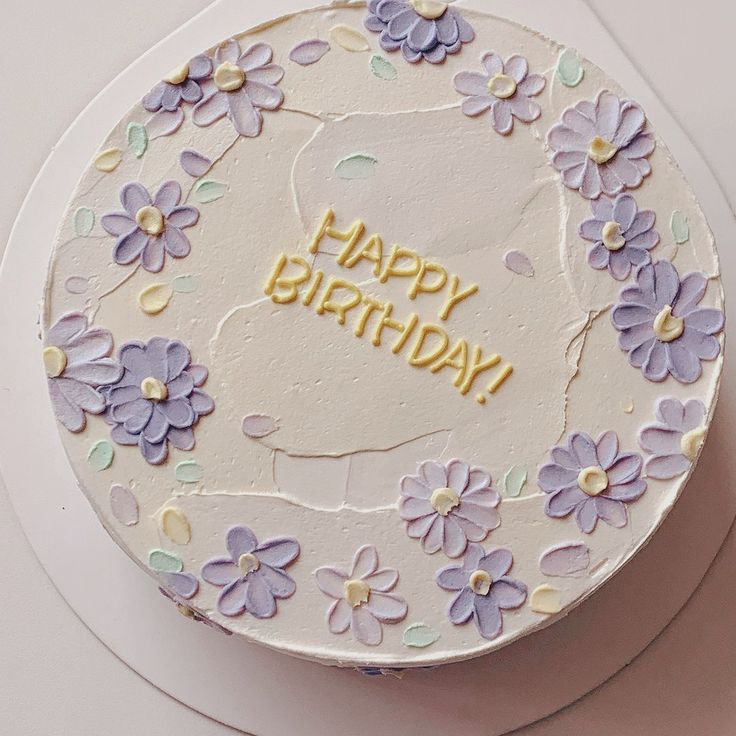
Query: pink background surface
[[61, 679]]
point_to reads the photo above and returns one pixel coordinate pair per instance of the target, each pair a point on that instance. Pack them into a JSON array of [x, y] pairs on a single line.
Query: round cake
[[383, 334]]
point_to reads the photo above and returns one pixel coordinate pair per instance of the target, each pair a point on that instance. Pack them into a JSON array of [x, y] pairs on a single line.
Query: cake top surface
[[383, 334]]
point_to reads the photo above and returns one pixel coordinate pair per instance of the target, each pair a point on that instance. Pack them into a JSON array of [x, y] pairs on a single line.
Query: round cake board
[[248, 686]]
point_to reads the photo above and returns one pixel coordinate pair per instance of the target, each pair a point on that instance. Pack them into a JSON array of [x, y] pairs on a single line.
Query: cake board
[[246, 686]]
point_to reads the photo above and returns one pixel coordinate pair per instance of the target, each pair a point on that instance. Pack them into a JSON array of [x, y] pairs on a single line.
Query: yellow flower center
[[150, 219], [178, 74], [248, 563], [153, 389], [601, 150], [593, 480], [666, 327], [229, 77], [612, 238], [429, 9], [480, 582], [502, 86], [691, 443], [357, 592], [54, 361], [444, 500]]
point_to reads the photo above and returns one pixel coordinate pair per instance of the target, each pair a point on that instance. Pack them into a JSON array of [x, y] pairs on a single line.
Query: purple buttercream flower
[[593, 479], [180, 85], [77, 361], [504, 88], [600, 147], [662, 328], [252, 578], [363, 601], [675, 440], [150, 227], [157, 399], [243, 84], [422, 29], [484, 589], [622, 235], [446, 506]]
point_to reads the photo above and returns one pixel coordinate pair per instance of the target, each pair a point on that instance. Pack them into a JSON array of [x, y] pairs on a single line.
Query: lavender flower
[[150, 227], [601, 146], [422, 29], [675, 440], [622, 235], [180, 85], [362, 597], [252, 578], [157, 400], [446, 506], [243, 84], [484, 589], [593, 479], [77, 362], [662, 328], [504, 88]]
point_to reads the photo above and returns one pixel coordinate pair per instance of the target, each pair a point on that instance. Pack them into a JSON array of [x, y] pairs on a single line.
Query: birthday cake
[[383, 334]]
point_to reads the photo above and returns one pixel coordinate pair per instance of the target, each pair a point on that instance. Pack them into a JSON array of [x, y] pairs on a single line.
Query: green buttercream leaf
[[189, 471], [356, 166], [383, 68], [514, 481], [84, 221], [184, 284], [680, 227], [208, 190], [419, 636], [569, 68], [137, 139], [100, 455], [162, 561]]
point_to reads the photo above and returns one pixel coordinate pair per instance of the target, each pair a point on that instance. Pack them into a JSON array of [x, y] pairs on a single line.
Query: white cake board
[[247, 686]]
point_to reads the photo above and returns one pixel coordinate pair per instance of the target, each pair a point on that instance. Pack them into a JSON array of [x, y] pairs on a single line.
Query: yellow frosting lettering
[[478, 366], [392, 267], [406, 334], [288, 285], [457, 358], [313, 288], [421, 286], [327, 219], [387, 321], [456, 296], [501, 378], [421, 360], [349, 237], [371, 251], [371, 305], [327, 304]]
